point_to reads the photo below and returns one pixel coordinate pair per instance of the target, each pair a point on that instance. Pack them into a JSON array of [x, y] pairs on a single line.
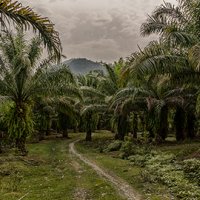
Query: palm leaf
[[96, 108], [91, 92], [26, 18]]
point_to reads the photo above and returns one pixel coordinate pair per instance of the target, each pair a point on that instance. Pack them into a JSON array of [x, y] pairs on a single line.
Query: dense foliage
[[151, 96], [152, 93]]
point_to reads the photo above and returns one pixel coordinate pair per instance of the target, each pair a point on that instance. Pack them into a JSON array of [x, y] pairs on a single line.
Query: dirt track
[[121, 186]]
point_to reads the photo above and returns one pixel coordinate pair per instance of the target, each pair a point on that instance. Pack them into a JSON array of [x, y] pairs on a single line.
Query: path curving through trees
[[121, 186]]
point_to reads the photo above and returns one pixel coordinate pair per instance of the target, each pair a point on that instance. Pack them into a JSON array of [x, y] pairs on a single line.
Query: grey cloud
[[97, 29], [93, 50]]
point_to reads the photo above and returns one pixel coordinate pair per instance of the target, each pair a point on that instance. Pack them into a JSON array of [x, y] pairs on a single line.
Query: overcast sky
[[97, 29]]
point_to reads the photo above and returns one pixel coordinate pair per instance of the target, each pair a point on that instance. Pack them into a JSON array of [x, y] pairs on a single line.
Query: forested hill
[[82, 65]]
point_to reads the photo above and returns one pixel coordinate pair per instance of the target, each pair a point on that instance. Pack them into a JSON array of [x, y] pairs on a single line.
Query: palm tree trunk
[[48, 132], [116, 136], [163, 125], [190, 125], [75, 129], [121, 127], [135, 126], [179, 121], [65, 134], [41, 135], [20, 140], [1, 147], [89, 128], [151, 134], [80, 126], [21, 145], [88, 135], [1, 139]]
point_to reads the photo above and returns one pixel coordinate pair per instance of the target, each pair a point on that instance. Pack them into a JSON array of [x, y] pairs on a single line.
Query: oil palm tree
[[60, 100], [110, 85], [178, 30], [155, 98], [176, 25], [22, 77], [13, 11], [93, 104], [66, 104]]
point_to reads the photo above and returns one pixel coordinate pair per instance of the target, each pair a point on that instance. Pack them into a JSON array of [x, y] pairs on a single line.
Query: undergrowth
[[173, 166]]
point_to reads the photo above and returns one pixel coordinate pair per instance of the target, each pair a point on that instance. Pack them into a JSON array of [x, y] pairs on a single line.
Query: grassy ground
[[50, 173], [129, 172]]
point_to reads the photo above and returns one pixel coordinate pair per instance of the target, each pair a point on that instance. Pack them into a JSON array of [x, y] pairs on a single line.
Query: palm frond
[[111, 73], [27, 18], [169, 10], [62, 104], [153, 25], [194, 56], [34, 51], [107, 86], [155, 59], [91, 92], [96, 108]]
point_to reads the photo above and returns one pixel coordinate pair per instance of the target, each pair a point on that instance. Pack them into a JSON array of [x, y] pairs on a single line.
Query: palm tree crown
[[26, 18]]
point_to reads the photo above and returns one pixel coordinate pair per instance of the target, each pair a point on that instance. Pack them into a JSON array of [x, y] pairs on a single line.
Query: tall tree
[[93, 104], [110, 84], [25, 17], [23, 76]]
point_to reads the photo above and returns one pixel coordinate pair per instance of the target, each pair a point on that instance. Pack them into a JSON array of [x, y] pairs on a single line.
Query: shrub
[[191, 168], [162, 158], [128, 148], [163, 168], [139, 160], [114, 146]]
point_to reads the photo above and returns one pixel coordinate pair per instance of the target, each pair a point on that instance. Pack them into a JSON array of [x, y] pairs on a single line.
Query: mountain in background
[[82, 65]]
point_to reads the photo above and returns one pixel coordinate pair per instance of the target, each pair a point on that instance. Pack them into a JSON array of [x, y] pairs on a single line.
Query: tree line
[[154, 92]]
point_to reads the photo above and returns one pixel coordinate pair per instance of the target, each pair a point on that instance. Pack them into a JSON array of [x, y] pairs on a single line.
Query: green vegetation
[[23, 80], [158, 172], [149, 101], [25, 17], [49, 172]]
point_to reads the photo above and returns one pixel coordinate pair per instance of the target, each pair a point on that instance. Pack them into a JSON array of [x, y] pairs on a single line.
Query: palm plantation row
[[153, 91], [159, 84]]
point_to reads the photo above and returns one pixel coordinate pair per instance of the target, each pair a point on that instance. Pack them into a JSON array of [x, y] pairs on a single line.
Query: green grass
[[51, 173], [129, 172]]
